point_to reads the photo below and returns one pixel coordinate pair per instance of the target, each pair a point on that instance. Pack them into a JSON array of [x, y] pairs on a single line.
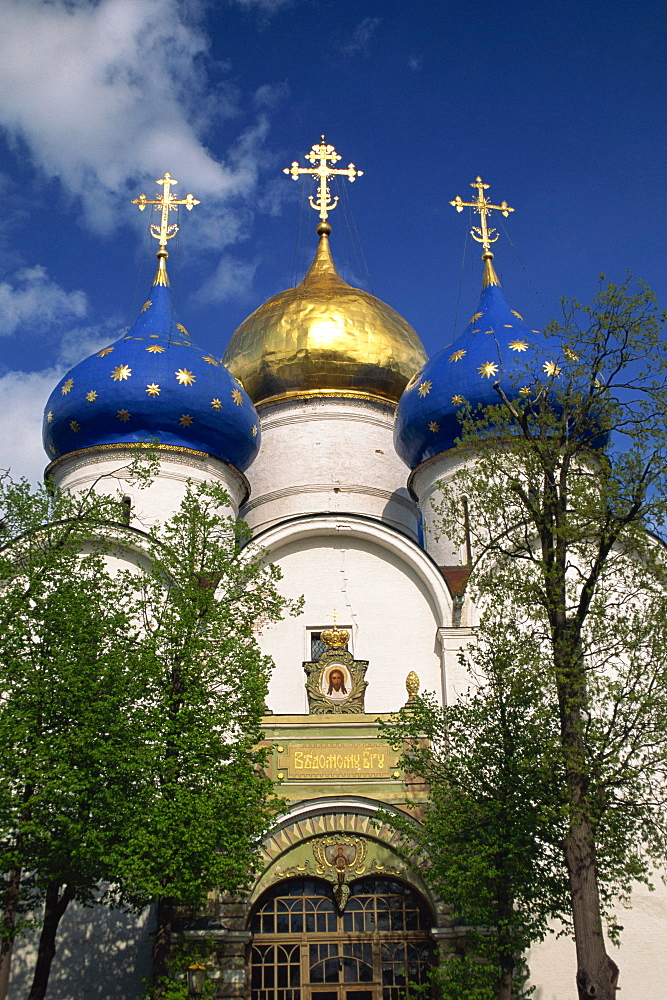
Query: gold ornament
[[412, 685], [320, 156]]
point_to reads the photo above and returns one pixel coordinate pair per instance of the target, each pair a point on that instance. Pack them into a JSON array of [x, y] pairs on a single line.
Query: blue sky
[[559, 106]]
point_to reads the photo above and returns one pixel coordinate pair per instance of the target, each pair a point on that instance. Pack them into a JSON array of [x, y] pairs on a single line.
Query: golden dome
[[324, 338]]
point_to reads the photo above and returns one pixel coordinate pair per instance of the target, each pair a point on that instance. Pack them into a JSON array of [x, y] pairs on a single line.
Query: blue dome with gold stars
[[492, 346], [153, 385]]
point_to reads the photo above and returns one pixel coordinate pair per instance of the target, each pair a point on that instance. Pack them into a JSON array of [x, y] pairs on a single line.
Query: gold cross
[[335, 617], [323, 153], [483, 234], [168, 203]]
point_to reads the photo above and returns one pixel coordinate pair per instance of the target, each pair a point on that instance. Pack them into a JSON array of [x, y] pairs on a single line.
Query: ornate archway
[[309, 945]]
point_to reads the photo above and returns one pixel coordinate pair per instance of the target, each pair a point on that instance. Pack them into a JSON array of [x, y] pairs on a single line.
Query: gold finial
[[168, 203], [323, 153], [483, 234], [412, 685], [335, 637]]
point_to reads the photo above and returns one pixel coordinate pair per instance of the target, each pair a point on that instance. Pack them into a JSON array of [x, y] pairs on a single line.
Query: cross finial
[[482, 233], [320, 156], [168, 203], [334, 615]]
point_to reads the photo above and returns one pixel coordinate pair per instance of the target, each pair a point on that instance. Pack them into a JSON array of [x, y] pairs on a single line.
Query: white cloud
[[32, 301], [361, 36], [263, 6], [231, 280], [23, 395], [105, 94]]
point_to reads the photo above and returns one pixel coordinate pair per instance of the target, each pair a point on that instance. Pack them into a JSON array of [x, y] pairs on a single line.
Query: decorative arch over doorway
[[306, 947]]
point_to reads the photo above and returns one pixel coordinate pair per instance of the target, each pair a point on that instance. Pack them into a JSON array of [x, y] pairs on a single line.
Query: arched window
[[304, 949]]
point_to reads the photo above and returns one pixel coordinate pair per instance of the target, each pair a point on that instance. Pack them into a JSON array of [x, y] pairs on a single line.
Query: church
[[329, 428]]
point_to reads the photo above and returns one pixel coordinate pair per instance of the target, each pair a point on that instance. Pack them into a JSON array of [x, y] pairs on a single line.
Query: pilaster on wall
[[455, 678]]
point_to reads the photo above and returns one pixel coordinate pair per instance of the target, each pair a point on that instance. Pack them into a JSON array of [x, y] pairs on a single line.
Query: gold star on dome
[[487, 369], [458, 400], [508, 325], [52, 450], [570, 355], [75, 425], [434, 427], [155, 349], [255, 430], [153, 336], [67, 386], [476, 317], [177, 342], [209, 360], [103, 353], [551, 368], [153, 389], [490, 330], [146, 306], [123, 416], [49, 417], [185, 377], [179, 326], [121, 373], [518, 345], [237, 397], [524, 390], [457, 355], [518, 315], [185, 420], [425, 388], [91, 396], [216, 404], [534, 331]]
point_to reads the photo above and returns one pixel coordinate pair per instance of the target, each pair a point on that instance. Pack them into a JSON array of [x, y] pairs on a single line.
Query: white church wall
[[424, 483], [329, 455], [384, 589], [107, 471], [101, 954], [642, 957]]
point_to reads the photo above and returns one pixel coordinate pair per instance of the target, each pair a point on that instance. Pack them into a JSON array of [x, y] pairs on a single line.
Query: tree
[[490, 830], [130, 707], [209, 802], [67, 687], [565, 483]]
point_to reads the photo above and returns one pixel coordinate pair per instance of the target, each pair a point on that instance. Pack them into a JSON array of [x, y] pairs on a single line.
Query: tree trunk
[[54, 907], [162, 943], [9, 929], [597, 973]]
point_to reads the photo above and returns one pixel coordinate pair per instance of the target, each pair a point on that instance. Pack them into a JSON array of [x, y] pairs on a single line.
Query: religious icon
[[336, 682]]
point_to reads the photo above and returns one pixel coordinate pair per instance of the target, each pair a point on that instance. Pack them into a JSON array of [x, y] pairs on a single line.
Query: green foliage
[[204, 680], [494, 819], [131, 693], [565, 481]]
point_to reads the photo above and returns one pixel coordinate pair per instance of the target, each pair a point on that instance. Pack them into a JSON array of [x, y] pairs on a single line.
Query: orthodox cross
[[482, 233], [168, 203], [335, 617], [320, 156]]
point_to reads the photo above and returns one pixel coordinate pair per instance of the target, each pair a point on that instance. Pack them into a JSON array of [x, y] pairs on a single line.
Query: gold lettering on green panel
[[346, 759]]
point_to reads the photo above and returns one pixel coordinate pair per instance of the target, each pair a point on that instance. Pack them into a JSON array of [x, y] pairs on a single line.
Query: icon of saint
[[335, 684]]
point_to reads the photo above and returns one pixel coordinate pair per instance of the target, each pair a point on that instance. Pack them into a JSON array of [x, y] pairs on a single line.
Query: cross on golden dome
[[168, 203], [320, 156], [482, 233]]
